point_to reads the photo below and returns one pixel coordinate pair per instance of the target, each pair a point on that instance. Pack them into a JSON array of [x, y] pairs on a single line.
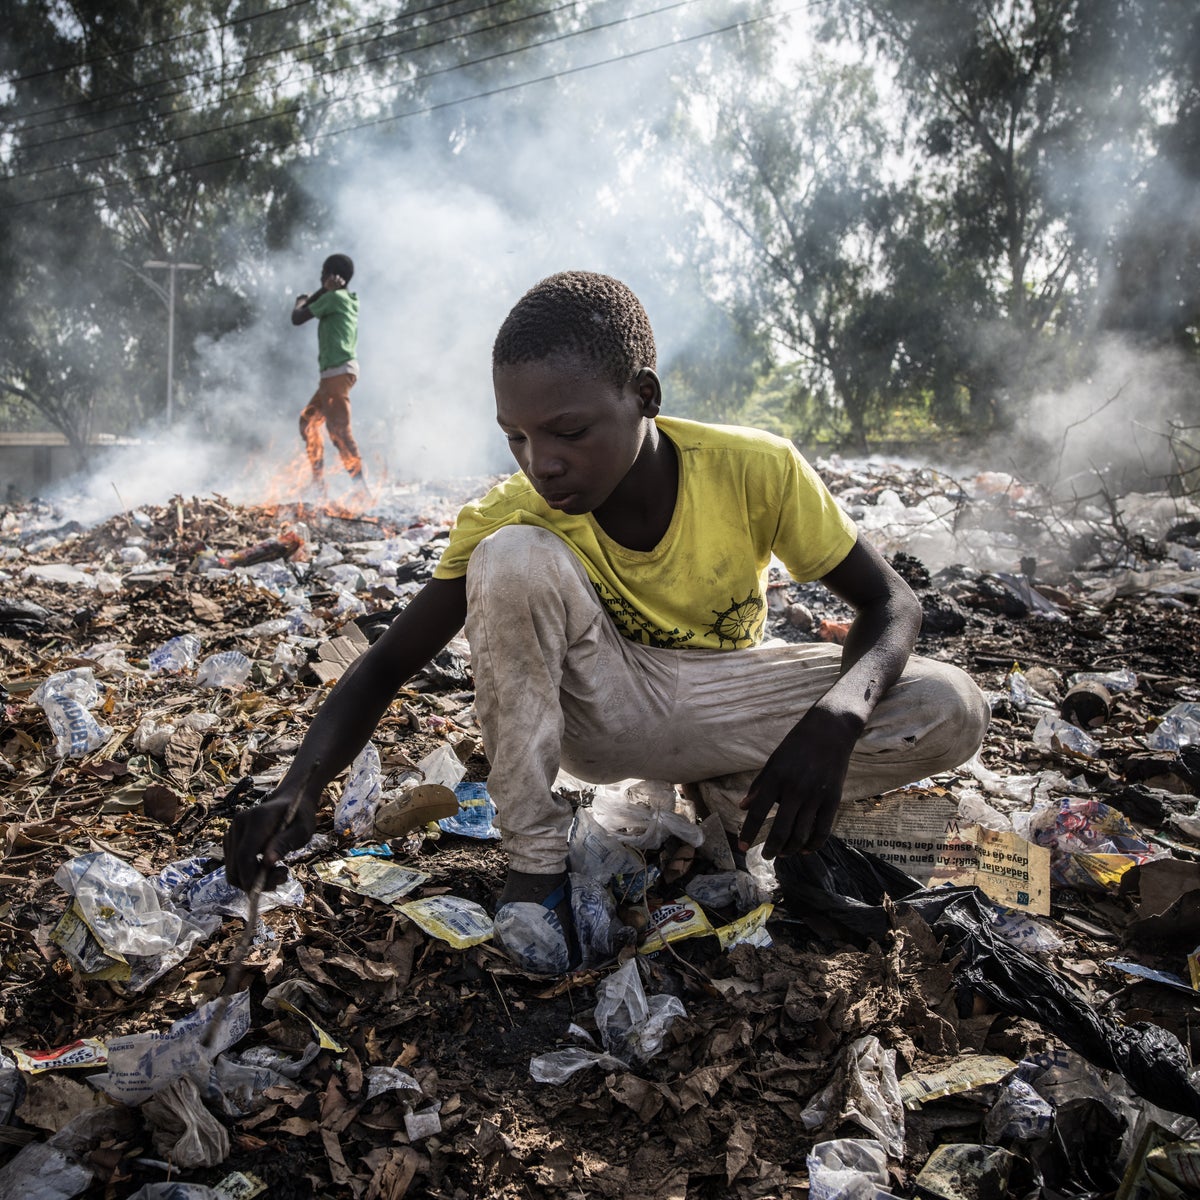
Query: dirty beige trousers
[[557, 684]]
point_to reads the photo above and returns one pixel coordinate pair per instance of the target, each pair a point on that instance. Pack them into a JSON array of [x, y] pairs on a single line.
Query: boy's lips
[[558, 499]]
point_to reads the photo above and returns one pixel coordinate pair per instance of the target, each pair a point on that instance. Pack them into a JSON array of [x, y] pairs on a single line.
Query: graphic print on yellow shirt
[[743, 496]]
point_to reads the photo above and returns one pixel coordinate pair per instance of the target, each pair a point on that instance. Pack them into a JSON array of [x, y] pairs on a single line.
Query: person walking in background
[[336, 310]]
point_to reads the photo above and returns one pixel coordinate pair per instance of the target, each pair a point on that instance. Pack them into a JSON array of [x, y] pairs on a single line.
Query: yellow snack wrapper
[[750, 928], [682, 918], [460, 922], [968, 1073], [374, 877], [237, 1186]]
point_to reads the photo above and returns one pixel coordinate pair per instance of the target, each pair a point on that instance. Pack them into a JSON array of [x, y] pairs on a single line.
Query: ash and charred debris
[[928, 1049]]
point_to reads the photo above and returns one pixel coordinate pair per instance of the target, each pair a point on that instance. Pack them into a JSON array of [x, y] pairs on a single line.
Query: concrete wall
[[32, 463]]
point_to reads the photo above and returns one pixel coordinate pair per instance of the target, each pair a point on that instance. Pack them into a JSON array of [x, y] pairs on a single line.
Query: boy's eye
[[513, 438], [572, 434]]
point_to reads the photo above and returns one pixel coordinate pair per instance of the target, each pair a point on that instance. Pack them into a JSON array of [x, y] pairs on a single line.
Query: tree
[[1035, 122], [132, 132], [798, 217], [199, 130]]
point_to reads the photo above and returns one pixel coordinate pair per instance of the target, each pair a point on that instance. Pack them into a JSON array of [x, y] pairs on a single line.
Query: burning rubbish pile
[[985, 985]]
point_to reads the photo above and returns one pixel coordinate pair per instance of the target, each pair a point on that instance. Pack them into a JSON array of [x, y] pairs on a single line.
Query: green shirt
[[337, 328], [744, 496]]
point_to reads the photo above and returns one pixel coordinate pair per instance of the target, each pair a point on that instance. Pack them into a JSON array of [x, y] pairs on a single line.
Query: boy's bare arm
[[300, 310], [286, 819], [804, 777]]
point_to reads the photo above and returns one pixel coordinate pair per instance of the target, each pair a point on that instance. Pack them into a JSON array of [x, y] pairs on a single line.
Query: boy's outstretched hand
[[802, 782], [259, 837]]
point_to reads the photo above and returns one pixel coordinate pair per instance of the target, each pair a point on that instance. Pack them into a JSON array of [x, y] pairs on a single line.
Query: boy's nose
[[545, 465]]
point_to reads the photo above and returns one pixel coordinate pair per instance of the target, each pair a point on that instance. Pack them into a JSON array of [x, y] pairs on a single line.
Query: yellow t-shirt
[[743, 496]]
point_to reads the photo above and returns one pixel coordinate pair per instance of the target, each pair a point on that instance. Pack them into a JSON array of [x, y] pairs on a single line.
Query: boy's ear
[[649, 391]]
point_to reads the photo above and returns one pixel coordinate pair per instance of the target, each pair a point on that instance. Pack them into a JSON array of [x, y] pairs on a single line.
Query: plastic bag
[[533, 937], [10, 1086], [476, 813], [354, 812], [65, 699], [119, 904], [597, 927], [847, 1169], [40, 1171], [188, 885], [1122, 680], [559, 1065], [632, 1025], [178, 654], [1022, 694], [641, 815], [1020, 1114], [153, 736], [442, 766], [600, 855], [229, 669], [1092, 845], [726, 889], [183, 1129], [845, 885], [1179, 727], [1053, 733], [864, 1090], [56, 1168], [177, 1191]]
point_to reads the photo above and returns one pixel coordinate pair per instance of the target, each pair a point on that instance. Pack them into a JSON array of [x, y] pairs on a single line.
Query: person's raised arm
[[804, 777], [300, 310], [261, 836]]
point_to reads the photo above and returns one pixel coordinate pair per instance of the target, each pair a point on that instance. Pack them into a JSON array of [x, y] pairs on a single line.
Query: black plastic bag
[[848, 887]]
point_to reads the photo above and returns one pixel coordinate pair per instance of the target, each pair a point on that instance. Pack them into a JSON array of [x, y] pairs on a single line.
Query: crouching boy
[[614, 596]]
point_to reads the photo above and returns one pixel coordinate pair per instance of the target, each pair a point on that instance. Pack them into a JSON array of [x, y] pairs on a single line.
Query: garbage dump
[[986, 984]]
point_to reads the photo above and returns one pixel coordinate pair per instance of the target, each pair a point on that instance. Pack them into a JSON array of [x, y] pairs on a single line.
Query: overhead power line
[[175, 37], [144, 85], [299, 108], [255, 152], [96, 131], [419, 78]]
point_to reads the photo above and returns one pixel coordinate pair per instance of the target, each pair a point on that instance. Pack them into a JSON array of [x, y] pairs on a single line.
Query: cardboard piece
[[921, 833]]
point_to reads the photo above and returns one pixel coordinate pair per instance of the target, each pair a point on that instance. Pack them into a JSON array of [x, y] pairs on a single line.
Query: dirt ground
[[716, 1113]]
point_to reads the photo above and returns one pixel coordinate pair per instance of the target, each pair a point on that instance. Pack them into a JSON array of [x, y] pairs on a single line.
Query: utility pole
[[169, 298]]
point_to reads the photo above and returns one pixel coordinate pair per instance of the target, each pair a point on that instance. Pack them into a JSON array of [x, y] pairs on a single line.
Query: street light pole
[[172, 268]]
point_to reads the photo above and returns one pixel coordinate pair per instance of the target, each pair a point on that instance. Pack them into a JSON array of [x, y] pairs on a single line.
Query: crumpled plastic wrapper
[[864, 1089], [184, 1131], [66, 698]]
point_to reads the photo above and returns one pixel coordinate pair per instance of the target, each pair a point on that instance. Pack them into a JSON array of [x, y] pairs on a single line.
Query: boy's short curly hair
[[579, 312], [338, 264]]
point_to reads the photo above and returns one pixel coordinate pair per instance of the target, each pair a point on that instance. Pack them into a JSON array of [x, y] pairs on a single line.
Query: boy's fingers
[[757, 809], [784, 836], [822, 827]]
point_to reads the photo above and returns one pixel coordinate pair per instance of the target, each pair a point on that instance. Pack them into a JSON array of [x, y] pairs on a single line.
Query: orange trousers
[[330, 407]]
